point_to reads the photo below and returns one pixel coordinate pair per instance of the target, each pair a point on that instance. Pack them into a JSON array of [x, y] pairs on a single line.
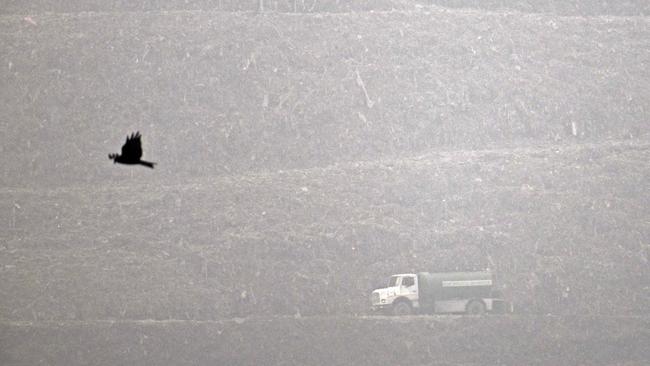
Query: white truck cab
[[402, 288]]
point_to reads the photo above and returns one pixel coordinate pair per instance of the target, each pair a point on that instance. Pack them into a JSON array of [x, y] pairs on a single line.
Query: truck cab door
[[409, 288]]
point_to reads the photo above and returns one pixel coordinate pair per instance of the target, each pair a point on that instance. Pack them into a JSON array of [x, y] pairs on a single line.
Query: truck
[[444, 292]]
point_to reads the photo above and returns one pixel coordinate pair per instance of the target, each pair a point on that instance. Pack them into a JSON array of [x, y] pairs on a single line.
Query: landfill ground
[[307, 152], [342, 340]]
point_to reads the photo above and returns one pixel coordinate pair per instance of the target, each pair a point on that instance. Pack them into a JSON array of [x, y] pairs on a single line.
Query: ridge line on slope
[[423, 10], [271, 318], [431, 155]]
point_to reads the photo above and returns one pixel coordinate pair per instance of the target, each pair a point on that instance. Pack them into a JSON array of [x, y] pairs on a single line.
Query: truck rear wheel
[[402, 308], [475, 307]]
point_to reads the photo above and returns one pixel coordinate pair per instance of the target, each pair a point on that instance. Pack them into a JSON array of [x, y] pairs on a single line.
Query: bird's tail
[[146, 163]]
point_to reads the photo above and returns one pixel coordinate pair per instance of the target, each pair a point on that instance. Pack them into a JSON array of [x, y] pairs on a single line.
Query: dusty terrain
[[217, 93], [544, 218], [305, 157], [559, 7], [333, 341]]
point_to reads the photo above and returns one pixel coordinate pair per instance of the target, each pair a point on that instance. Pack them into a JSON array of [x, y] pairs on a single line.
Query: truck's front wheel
[[402, 308]]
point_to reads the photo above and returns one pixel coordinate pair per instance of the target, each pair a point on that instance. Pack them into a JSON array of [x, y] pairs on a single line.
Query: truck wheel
[[402, 308], [475, 307]]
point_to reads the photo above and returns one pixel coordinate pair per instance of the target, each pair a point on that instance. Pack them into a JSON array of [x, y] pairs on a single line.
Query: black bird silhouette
[[131, 152]]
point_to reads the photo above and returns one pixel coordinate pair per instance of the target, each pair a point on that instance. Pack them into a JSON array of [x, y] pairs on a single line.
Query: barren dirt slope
[[448, 341], [562, 7], [304, 158], [220, 93], [316, 241]]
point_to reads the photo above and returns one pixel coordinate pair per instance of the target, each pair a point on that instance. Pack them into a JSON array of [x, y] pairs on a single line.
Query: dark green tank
[[453, 285]]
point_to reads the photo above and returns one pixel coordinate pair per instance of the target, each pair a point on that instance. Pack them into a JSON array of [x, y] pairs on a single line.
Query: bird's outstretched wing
[[132, 149]]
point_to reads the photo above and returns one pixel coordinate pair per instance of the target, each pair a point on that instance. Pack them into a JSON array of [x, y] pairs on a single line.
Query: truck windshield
[[393, 281]]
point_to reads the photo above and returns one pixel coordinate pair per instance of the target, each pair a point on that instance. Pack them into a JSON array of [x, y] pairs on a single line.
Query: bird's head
[[113, 157]]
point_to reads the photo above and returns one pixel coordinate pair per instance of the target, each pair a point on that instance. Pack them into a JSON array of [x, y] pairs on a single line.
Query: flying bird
[[131, 152]]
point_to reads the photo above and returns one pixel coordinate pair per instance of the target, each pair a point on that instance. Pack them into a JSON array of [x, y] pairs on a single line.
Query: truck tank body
[[453, 285]]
